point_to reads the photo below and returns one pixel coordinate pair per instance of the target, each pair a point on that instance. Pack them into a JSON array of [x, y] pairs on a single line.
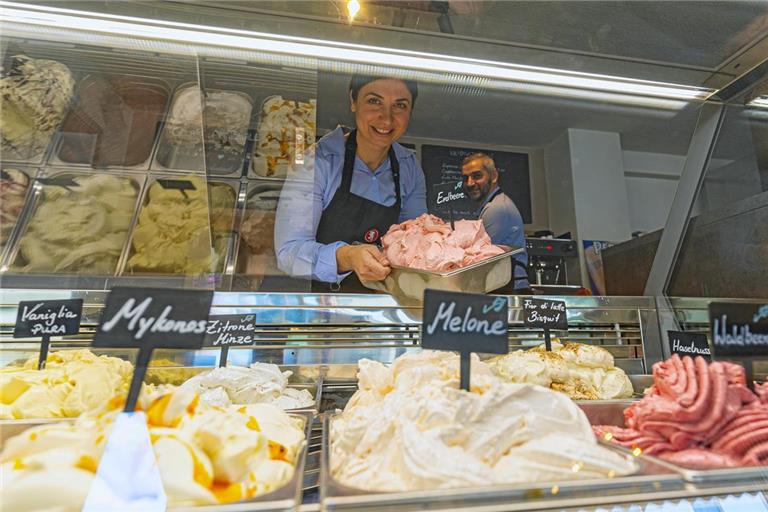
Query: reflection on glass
[[724, 250], [173, 233], [114, 121], [79, 226], [13, 191], [34, 100]]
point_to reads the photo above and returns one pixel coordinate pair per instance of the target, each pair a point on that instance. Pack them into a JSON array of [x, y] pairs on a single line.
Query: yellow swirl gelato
[[206, 455], [72, 382], [175, 232]]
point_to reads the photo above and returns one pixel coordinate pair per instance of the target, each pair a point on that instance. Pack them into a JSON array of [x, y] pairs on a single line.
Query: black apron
[[353, 219]]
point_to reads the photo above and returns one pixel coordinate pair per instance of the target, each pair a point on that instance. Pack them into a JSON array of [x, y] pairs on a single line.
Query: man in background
[[500, 216]]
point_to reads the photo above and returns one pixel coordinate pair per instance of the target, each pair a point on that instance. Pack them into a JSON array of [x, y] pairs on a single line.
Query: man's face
[[477, 181]]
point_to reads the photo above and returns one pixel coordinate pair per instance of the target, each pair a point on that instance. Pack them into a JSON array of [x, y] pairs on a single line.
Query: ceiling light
[[759, 102], [353, 7]]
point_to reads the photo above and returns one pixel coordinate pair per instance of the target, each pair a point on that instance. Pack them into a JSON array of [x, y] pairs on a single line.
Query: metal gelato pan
[[14, 194], [650, 477], [612, 413], [481, 277], [285, 499], [178, 375], [114, 122], [221, 221], [72, 220], [286, 136], [215, 146], [255, 257]]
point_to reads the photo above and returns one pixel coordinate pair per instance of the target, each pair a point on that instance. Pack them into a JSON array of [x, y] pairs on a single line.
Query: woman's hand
[[366, 260]]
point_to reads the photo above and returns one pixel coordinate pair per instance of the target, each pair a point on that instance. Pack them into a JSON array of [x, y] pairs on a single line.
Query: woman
[[362, 183]]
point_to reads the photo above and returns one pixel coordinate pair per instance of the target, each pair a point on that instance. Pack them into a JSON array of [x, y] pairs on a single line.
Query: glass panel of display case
[[81, 206], [644, 40], [724, 252]]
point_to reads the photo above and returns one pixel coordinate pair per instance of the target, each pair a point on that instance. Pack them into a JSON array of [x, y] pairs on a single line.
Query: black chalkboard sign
[[689, 344], [226, 330], [545, 314], [46, 318], [738, 330], [149, 318], [465, 323], [446, 194], [442, 164]]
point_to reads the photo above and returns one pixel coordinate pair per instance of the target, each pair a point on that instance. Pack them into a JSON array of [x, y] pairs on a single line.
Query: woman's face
[[382, 112]]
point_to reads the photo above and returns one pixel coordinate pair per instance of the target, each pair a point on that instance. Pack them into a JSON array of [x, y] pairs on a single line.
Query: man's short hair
[[488, 163]]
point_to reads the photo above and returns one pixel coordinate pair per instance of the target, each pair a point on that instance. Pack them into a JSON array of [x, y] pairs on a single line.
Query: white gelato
[[583, 372], [409, 427], [259, 383]]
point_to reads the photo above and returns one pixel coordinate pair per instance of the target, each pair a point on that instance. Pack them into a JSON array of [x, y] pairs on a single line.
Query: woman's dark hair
[[358, 81]]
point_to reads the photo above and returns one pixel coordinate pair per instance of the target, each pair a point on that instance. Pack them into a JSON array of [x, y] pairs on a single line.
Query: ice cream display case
[[352, 353], [149, 144]]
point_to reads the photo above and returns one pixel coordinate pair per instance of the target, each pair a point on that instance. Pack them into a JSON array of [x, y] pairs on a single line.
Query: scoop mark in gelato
[[135, 314]]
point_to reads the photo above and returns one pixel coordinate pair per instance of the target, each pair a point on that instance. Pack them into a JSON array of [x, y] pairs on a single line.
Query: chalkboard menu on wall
[[442, 164]]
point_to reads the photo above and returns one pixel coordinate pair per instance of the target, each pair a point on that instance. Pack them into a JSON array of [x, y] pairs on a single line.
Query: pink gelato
[[697, 415], [428, 243]]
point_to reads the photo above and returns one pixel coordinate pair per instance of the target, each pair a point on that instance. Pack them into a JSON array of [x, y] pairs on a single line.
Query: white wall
[[562, 211], [651, 182], [598, 185]]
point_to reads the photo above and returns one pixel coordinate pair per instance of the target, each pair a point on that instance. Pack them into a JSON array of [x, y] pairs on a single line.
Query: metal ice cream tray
[[612, 413], [649, 478], [165, 375], [481, 277], [285, 499]]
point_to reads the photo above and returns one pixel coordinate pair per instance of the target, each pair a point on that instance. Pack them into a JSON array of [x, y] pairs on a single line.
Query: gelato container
[[165, 372], [72, 382], [34, 97], [78, 225], [14, 189], [287, 128], [180, 487], [182, 232], [482, 277], [205, 131], [114, 122], [256, 251], [612, 413], [581, 371]]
